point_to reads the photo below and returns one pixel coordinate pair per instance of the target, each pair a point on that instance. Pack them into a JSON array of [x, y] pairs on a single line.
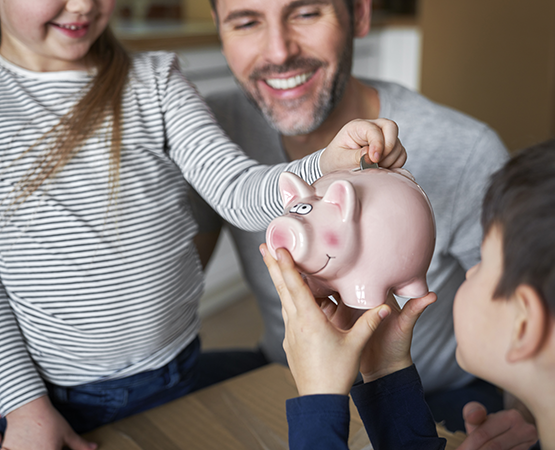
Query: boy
[[504, 317]]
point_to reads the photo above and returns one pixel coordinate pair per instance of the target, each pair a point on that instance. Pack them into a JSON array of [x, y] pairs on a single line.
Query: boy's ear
[[530, 324]]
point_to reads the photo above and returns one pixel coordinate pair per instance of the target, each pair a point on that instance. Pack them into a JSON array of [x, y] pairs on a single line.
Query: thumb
[[474, 415], [414, 308], [367, 324], [76, 442]]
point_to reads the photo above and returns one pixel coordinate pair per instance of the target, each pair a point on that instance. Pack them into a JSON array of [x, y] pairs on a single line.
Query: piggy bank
[[361, 233]]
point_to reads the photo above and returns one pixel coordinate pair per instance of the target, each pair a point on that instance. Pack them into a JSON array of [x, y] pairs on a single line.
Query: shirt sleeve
[[395, 413], [20, 382], [487, 156], [318, 422], [242, 191]]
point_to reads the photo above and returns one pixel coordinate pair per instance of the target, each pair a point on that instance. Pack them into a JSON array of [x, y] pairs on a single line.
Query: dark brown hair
[[521, 201], [101, 100]]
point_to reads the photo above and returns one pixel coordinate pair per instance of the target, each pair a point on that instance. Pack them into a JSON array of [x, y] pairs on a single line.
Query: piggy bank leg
[[362, 296], [414, 289]]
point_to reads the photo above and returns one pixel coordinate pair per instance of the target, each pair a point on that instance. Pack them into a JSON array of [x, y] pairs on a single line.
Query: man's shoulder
[[397, 101], [424, 121], [231, 101]]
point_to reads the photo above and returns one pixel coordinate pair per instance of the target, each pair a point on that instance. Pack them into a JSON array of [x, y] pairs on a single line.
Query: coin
[[365, 165]]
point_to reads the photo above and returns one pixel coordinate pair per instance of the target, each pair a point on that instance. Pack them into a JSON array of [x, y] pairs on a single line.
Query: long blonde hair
[[101, 101]]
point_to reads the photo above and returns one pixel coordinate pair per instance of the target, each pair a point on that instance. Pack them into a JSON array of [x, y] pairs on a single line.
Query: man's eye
[[245, 25], [308, 14]]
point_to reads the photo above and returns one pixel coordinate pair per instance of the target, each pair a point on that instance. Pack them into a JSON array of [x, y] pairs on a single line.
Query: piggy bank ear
[[342, 194], [292, 188]]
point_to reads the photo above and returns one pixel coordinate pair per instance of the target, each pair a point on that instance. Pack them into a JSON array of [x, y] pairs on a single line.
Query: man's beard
[[328, 97]]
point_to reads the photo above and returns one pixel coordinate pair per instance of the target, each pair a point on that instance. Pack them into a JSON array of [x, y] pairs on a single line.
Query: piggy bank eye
[[301, 208]]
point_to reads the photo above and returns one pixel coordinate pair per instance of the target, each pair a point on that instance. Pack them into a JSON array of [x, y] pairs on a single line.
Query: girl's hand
[[377, 139], [389, 349], [323, 358], [38, 424]]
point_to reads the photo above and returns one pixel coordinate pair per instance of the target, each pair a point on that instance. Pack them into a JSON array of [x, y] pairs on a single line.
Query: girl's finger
[[277, 278], [396, 158], [389, 132], [301, 295], [367, 135]]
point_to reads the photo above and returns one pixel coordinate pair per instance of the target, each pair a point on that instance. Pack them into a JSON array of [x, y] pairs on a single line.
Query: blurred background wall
[[495, 60]]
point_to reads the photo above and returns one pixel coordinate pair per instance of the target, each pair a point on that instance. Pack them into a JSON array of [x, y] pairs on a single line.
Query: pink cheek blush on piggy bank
[[361, 233]]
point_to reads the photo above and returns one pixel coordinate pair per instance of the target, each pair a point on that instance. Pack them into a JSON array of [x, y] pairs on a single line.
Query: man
[[292, 59]]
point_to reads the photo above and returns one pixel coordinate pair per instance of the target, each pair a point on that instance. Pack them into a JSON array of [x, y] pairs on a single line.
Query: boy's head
[[504, 313], [521, 201]]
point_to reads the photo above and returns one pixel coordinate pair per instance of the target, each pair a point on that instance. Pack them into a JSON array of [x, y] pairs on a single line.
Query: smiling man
[[292, 60]]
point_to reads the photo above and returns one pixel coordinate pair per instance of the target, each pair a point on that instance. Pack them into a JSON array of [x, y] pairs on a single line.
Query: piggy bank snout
[[288, 233]]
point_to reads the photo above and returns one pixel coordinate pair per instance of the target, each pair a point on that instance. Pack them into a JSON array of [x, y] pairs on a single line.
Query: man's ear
[[362, 12], [530, 324]]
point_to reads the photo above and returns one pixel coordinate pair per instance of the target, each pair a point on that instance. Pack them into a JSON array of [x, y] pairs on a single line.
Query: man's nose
[[281, 45]]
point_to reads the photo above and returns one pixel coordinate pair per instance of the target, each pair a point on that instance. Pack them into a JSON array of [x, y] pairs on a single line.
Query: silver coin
[[365, 165]]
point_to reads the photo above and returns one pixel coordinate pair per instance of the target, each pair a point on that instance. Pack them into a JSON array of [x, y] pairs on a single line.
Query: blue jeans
[[91, 405]]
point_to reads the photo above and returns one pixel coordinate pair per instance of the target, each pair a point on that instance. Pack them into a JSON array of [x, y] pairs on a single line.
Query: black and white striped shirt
[[91, 292]]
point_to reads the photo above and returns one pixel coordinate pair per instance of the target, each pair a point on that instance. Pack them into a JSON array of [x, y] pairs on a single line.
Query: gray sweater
[[451, 156]]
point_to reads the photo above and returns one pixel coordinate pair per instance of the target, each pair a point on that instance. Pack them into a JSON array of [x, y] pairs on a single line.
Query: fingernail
[[376, 156], [262, 251], [383, 313]]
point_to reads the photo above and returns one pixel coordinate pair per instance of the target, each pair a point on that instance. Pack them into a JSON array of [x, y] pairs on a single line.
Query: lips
[[75, 30], [289, 83]]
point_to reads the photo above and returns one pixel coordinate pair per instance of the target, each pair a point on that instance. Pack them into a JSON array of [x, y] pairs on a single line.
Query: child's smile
[[73, 30], [51, 35]]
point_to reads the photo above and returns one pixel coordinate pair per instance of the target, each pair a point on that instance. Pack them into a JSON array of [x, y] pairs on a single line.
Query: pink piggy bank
[[361, 233]]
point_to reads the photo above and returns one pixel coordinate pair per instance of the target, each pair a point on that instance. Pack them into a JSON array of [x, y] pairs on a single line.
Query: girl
[[99, 277]]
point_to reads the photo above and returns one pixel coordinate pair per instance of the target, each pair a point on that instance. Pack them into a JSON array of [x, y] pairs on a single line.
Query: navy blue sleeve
[[395, 413], [318, 422]]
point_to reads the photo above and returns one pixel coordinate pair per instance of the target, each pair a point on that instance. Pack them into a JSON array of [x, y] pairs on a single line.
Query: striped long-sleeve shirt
[[90, 291]]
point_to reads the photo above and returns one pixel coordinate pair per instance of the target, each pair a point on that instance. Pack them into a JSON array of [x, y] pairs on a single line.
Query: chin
[[295, 124], [295, 129]]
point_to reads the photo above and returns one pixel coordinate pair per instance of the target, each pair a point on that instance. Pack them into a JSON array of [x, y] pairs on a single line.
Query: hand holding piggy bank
[[360, 233]]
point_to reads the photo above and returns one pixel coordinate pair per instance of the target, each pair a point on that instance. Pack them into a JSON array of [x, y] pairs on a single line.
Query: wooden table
[[246, 412]]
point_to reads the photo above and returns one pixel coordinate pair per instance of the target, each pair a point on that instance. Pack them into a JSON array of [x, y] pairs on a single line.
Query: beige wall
[[197, 9], [495, 60]]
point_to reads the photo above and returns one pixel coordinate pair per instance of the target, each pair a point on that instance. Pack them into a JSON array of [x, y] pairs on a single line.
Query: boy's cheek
[[460, 359]]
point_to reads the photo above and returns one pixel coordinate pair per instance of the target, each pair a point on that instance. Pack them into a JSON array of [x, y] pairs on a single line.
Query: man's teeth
[[71, 27], [288, 83]]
